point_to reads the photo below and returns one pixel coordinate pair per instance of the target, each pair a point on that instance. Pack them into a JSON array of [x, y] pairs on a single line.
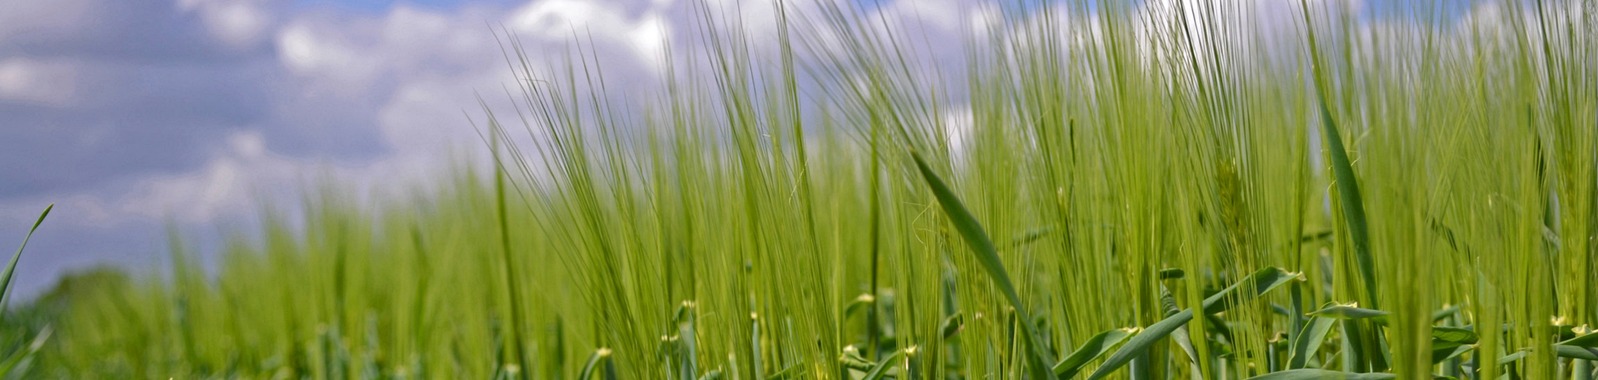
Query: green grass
[[24, 336], [1382, 192]]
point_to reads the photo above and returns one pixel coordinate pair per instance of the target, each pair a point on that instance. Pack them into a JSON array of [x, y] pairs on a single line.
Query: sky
[[132, 116], [135, 115]]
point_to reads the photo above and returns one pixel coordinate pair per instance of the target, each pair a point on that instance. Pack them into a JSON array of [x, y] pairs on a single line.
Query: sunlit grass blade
[[881, 369], [1349, 199], [1306, 343], [5, 280], [1144, 339], [982, 246], [1256, 284], [19, 359], [1348, 312], [1095, 347], [1262, 281], [1454, 335], [594, 364]]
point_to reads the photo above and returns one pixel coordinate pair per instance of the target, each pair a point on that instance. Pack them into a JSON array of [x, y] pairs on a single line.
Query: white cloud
[[425, 117], [319, 54], [37, 81], [238, 23], [566, 19], [418, 69], [649, 39], [223, 188]]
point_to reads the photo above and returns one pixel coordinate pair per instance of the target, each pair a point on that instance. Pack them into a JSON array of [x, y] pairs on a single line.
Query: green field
[[1099, 189]]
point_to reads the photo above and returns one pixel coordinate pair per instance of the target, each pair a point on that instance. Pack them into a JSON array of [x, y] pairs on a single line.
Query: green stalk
[[1037, 358], [509, 267], [1347, 185]]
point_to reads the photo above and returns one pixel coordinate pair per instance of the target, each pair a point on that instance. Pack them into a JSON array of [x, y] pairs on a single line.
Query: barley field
[[1097, 189]]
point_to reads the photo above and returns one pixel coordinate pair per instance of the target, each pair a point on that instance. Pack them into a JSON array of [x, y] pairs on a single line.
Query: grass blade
[[1307, 342], [16, 359], [1349, 312], [1263, 281], [1441, 353], [1573, 352], [1587, 341], [982, 246], [793, 371], [1348, 195], [594, 361], [952, 325], [881, 369], [1142, 341], [1454, 335], [5, 280], [1095, 347]]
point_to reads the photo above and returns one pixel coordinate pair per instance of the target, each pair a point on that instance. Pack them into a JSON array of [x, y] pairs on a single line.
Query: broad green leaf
[[982, 246], [1449, 351], [1348, 195], [1262, 281], [1352, 312], [1171, 273], [1573, 352], [1454, 335], [1148, 337], [1307, 342], [1589, 341], [1095, 347], [881, 369], [1512, 357]]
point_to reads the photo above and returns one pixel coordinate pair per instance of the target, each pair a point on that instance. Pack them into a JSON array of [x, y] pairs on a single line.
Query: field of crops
[[1100, 189]]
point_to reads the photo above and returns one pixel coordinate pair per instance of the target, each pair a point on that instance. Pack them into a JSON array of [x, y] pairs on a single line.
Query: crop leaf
[[986, 254]]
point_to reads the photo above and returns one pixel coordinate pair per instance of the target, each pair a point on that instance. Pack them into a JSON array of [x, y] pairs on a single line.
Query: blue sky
[[383, 5], [131, 115], [134, 115]]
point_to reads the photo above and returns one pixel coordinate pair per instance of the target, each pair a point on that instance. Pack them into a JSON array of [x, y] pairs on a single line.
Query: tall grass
[[1145, 190]]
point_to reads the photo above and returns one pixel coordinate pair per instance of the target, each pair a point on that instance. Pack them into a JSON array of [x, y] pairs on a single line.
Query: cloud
[[129, 113], [37, 81], [237, 23]]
